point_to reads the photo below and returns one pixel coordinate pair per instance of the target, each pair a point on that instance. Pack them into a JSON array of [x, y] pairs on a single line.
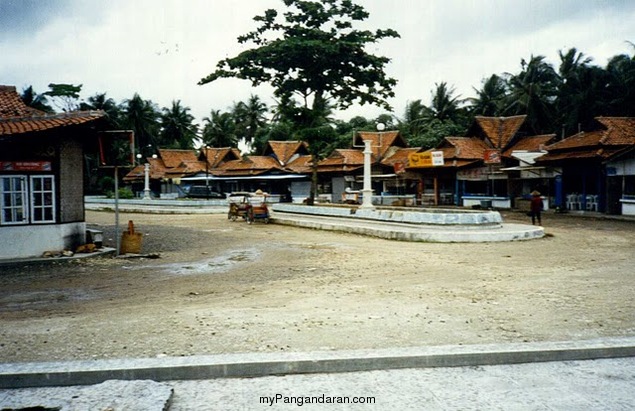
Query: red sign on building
[[25, 165], [492, 156]]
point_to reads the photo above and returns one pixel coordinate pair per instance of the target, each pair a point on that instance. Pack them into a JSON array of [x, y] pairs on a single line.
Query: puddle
[[219, 264], [40, 299]]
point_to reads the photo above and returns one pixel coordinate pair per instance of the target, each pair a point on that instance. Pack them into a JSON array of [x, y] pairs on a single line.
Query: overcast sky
[[162, 48]]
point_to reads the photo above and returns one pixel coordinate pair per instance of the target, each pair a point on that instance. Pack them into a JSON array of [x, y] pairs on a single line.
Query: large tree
[[533, 92], [35, 100], [313, 52], [250, 117], [490, 99], [142, 116], [219, 130], [100, 102], [65, 96], [177, 127]]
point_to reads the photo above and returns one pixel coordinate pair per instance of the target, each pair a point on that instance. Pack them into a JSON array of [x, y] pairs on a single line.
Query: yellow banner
[[425, 159]]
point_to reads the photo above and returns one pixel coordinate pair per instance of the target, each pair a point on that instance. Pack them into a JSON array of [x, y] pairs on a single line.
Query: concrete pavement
[[595, 374]]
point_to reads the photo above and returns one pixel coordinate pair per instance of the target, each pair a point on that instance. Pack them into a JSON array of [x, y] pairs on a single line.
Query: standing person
[[535, 207]]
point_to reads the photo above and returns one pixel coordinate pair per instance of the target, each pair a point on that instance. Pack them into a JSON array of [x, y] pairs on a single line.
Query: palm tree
[[413, 122], [533, 92], [621, 85], [581, 85], [490, 98], [36, 101], [100, 102], [142, 117], [219, 130], [444, 105], [177, 127], [250, 117]]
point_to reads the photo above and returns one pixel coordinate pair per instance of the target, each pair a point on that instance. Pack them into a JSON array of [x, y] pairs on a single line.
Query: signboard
[[25, 166], [473, 174], [425, 159], [492, 156], [400, 167], [116, 148]]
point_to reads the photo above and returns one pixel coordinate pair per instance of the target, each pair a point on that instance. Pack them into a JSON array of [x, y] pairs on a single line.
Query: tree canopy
[[313, 52]]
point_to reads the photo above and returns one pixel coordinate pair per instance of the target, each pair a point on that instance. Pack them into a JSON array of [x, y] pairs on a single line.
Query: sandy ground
[[222, 287]]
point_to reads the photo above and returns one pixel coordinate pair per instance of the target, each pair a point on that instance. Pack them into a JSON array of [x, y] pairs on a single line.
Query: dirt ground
[[224, 287]]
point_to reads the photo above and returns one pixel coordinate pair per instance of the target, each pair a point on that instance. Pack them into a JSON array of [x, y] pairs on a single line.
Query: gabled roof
[[284, 150], [399, 155], [300, 165], [216, 156], [157, 170], [619, 130], [252, 165], [11, 104], [533, 143], [342, 160], [469, 148], [615, 135], [500, 131], [461, 151], [174, 158], [17, 118], [381, 141]]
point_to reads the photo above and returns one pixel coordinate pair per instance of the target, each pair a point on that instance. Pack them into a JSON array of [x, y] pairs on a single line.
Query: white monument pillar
[[146, 188], [367, 191]]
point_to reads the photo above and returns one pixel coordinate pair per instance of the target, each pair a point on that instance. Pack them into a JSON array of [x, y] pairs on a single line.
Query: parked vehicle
[[203, 192]]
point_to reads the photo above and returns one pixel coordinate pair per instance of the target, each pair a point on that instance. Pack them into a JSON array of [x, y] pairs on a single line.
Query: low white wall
[[628, 207], [33, 240]]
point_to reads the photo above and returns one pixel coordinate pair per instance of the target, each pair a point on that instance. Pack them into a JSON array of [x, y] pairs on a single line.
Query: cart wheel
[[234, 217], [266, 220]]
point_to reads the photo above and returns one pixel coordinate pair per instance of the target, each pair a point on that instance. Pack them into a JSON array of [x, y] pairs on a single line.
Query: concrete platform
[[492, 231]]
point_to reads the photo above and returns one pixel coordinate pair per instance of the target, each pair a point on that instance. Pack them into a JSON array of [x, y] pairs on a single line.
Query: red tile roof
[[17, 118], [252, 165], [174, 158], [301, 165], [11, 104], [533, 143], [617, 133], [342, 160], [381, 141], [619, 130], [284, 150], [216, 156], [500, 131], [400, 155]]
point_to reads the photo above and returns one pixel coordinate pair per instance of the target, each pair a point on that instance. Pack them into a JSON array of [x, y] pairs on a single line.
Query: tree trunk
[[314, 179]]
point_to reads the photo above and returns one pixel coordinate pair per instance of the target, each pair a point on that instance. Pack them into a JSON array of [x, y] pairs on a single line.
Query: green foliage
[[113, 111], [313, 51], [178, 130], [65, 96], [142, 117], [125, 193], [220, 130], [35, 100]]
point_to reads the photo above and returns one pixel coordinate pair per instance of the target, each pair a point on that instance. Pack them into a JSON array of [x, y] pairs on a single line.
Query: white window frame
[[13, 205], [46, 197]]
